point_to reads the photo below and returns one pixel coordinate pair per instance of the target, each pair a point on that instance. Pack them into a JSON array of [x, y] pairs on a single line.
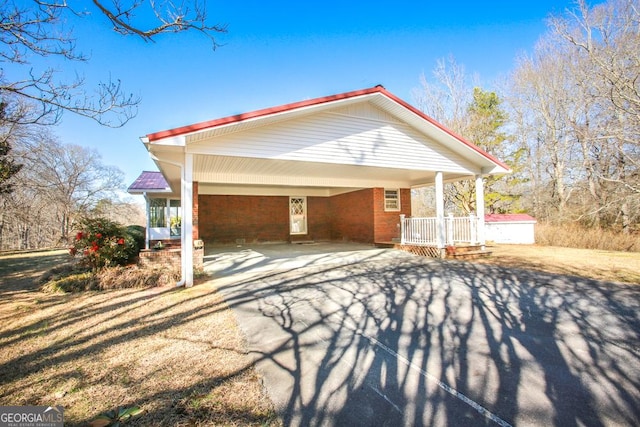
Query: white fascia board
[[172, 141]]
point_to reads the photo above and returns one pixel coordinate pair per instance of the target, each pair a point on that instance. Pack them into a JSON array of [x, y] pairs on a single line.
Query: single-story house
[[510, 228], [338, 167]]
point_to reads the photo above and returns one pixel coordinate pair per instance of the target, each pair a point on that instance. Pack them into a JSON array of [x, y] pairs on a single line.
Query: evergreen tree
[[484, 127]]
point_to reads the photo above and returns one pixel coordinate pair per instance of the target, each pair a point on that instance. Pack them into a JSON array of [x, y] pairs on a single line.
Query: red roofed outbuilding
[[510, 228]]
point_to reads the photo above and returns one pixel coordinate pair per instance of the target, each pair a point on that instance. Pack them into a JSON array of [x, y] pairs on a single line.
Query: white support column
[[480, 209], [440, 226], [187, 220], [147, 233], [402, 229], [167, 218]]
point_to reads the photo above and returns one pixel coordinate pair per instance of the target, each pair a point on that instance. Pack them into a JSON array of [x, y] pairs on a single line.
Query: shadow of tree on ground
[[414, 341]]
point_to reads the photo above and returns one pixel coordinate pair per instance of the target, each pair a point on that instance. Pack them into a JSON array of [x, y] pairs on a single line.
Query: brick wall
[[196, 200], [357, 216], [387, 224], [318, 219], [352, 216], [169, 258], [226, 219]]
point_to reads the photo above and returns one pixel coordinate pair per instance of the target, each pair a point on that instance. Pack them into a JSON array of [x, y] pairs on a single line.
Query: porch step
[[303, 242], [466, 252], [385, 245], [480, 253]]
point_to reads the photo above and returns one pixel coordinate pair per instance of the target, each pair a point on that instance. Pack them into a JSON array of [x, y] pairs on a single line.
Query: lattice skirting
[[428, 251]]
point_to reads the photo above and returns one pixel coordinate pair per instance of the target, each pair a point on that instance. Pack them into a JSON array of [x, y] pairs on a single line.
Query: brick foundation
[[169, 258]]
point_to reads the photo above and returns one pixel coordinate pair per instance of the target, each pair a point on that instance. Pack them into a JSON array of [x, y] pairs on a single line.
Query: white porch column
[[147, 232], [440, 226], [187, 220], [480, 208]]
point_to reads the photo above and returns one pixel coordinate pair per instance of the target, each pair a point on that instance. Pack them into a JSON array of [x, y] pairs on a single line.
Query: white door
[[298, 215]]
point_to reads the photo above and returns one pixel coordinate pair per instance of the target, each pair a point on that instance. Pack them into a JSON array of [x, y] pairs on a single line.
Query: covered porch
[[428, 231], [442, 237]]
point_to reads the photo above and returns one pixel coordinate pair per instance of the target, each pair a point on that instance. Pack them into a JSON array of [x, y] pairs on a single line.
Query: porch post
[[187, 220], [147, 233], [440, 231], [402, 216], [480, 209]]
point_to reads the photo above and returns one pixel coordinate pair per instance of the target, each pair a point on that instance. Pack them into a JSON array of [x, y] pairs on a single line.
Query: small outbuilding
[[510, 228]]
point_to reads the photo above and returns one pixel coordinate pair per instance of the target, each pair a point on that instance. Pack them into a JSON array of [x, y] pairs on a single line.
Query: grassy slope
[[176, 353]]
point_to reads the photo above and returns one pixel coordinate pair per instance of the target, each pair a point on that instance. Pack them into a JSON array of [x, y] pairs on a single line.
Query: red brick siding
[[386, 224], [356, 216], [318, 218], [225, 219], [352, 216], [169, 258], [196, 233]]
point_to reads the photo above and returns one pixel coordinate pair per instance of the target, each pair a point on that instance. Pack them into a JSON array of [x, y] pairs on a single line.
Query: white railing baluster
[[473, 234], [422, 231]]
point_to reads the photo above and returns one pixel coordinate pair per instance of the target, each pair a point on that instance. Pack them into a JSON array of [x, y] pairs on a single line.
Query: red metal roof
[[149, 181], [310, 102], [508, 218]]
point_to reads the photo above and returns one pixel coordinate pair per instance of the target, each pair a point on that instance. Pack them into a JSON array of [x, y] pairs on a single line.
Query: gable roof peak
[[416, 116]]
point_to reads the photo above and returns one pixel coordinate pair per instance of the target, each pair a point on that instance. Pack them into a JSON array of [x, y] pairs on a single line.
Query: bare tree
[[543, 103], [607, 36], [447, 94], [39, 28], [577, 99], [61, 181]]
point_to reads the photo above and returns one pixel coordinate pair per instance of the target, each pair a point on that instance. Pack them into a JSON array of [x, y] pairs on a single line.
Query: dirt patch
[[175, 353], [609, 266]]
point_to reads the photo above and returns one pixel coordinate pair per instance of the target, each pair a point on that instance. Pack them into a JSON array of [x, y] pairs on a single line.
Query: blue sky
[[280, 52]]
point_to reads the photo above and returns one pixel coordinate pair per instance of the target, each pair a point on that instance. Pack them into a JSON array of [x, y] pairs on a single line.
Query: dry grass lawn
[[175, 353], [588, 263]]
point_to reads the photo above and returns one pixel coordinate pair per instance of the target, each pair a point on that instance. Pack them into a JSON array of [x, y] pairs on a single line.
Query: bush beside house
[[107, 255]]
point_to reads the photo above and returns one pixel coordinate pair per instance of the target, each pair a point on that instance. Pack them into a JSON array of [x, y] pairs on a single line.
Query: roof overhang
[[169, 147]]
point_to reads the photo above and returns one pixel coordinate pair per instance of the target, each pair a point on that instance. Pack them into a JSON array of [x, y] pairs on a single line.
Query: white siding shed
[[510, 228]]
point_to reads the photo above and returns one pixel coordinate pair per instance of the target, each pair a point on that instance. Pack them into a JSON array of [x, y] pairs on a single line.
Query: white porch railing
[[424, 231]]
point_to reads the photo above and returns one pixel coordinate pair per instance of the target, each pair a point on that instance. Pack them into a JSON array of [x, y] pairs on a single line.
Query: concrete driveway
[[351, 335]]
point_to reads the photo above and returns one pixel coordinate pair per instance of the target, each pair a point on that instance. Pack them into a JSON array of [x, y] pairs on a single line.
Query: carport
[[335, 168]]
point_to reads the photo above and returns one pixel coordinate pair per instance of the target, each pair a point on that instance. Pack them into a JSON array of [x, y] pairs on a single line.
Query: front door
[[298, 215]]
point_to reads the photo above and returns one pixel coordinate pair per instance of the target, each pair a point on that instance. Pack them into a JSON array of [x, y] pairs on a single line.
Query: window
[[175, 218], [157, 208], [391, 200], [165, 214]]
